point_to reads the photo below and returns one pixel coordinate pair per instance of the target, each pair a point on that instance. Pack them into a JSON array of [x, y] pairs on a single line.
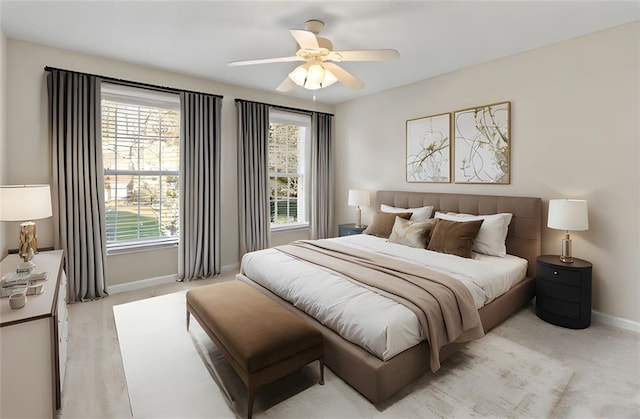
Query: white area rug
[[174, 373]]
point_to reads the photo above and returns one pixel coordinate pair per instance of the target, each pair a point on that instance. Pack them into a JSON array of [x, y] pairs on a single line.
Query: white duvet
[[378, 324]]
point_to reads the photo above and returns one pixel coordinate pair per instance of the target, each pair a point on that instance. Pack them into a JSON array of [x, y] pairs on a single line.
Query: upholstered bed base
[[378, 380]]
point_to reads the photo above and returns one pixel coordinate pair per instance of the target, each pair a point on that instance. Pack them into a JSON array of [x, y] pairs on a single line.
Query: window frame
[[303, 120], [136, 96]]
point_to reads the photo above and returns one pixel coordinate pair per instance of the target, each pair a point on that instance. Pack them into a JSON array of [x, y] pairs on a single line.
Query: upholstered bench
[[260, 339]]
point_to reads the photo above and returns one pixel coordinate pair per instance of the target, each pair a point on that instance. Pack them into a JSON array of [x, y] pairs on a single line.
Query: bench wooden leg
[[188, 318], [321, 361], [250, 402]]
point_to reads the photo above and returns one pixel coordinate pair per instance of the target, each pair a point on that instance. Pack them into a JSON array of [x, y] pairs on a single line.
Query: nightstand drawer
[[350, 230], [558, 307], [554, 289], [562, 276]]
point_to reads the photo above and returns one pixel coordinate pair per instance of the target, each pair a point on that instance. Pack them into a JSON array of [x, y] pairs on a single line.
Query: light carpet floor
[[174, 373]]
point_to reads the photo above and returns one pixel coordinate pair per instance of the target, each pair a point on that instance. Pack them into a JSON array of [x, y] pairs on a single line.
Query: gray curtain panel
[[199, 248], [321, 194], [253, 176], [78, 184]]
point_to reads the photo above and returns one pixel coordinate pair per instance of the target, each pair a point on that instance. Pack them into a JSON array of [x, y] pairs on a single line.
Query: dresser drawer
[[561, 276], [559, 307], [553, 289]]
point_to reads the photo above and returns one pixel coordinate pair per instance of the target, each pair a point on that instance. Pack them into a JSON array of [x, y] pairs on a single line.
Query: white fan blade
[[365, 55], [306, 39], [343, 76], [286, 85], [266, 61]]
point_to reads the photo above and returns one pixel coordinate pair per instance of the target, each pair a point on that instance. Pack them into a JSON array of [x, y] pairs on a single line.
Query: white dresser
[[33, 343]]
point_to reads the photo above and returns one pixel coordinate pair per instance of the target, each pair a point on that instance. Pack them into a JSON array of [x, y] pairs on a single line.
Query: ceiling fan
[[319, 69]]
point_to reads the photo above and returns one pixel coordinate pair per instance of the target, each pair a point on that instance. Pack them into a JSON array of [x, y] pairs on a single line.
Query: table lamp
[[568, 215], [25, 203], [358, 198]]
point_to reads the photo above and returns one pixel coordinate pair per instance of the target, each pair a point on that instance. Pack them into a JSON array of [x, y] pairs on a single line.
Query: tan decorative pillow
[[412, 233], [454, 237], [383, 223]]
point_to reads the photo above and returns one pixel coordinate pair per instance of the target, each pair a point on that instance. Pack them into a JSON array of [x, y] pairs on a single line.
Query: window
[[288, 162], [141, 158]]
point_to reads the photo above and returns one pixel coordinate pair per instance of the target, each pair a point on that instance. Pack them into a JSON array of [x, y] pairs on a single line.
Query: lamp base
[[566, 259], [566, 256], [359, 220], [28, 245]]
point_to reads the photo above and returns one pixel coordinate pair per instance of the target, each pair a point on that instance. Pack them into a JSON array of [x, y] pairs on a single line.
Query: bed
[[379, 379]]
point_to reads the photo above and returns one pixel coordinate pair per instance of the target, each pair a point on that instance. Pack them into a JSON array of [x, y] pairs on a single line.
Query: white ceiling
[[201, 37]]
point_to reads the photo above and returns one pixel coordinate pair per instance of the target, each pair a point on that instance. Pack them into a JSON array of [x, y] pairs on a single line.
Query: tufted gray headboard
[[525, 231]]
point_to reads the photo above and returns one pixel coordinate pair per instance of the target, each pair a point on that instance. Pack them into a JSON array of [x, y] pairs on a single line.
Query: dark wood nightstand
[[349, 229], [563, 292]]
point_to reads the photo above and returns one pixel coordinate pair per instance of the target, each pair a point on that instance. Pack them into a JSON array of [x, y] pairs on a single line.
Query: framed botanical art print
[[482, 144], [428, 149]]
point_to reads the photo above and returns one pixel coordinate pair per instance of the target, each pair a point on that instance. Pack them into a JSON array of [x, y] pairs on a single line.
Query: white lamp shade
[[568, 214], [358, 197], [24, 202]]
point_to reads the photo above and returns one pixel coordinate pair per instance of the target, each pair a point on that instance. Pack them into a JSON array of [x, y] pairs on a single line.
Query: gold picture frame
[[428, 149], [482, 144]]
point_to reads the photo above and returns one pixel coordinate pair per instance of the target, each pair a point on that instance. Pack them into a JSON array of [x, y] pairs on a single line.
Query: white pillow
[[417, 214], [493, 232]]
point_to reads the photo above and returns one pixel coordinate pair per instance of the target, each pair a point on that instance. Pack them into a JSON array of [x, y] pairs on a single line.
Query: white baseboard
[[229, 268], [615, 321], [149, 282], [143, 283]]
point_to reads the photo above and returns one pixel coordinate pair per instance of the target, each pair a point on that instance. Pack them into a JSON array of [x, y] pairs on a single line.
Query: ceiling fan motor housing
[[314, 25]]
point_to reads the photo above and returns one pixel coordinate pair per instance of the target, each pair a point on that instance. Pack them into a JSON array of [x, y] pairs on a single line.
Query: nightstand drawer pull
[[555, 272]]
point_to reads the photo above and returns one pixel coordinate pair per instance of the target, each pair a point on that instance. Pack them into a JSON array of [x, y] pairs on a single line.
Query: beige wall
[[575, 133], [28, 151], [4, 159]]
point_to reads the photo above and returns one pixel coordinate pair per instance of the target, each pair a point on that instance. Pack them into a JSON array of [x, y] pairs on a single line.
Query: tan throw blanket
[[443, 305]]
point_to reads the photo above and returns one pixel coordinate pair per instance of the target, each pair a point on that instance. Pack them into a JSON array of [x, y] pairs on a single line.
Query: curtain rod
[[132, 83], [284, 108]]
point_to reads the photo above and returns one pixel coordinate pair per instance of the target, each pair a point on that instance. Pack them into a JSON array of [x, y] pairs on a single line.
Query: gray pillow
[[412, 233]]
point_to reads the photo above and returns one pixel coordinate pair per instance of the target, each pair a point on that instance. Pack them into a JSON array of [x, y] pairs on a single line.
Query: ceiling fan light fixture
[[329, 78], [315, 74], [299, 74], [312, 76]]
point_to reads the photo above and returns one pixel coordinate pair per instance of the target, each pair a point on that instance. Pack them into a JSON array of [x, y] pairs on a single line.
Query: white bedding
[[378, 324]]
